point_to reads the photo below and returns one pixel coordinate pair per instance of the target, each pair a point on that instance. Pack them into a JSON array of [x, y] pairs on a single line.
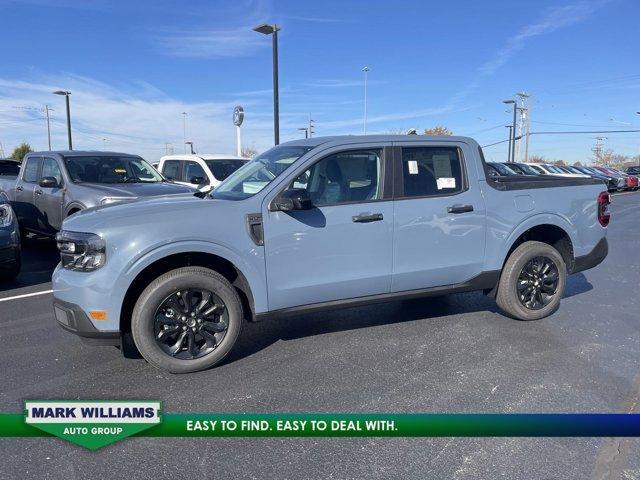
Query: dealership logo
[[92, 424]]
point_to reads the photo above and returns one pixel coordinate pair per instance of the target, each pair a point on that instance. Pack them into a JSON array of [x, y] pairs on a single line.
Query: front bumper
[[73, 319]]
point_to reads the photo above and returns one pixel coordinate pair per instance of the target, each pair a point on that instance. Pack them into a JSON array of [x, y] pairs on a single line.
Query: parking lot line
[[43, 292]]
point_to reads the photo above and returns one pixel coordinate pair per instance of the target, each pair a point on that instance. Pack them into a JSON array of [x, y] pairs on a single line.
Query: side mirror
[[48, 182], [292, 199]]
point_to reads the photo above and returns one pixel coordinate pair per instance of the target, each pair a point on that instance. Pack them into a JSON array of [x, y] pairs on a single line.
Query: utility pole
[[366, 74], [310, 127], [46, 112], [523, 126], [168, 148], [597, 148], [184, 131]]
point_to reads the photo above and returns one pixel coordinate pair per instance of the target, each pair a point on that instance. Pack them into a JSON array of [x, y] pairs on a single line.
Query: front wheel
[[532, 281], [187, 320]]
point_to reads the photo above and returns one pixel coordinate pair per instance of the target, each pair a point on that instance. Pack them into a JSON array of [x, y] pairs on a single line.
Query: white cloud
[[137, 119], [236, 42]]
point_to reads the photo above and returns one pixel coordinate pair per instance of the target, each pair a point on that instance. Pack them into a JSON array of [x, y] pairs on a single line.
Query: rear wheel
[[187, 320], [532, 281]]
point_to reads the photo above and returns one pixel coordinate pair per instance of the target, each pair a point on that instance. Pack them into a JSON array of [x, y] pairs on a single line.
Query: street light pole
[[510, 127], [66, 96], [512, 142], [366, 74], [272, 30]]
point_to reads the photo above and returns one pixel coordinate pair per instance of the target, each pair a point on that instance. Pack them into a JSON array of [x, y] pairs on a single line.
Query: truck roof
[[347, 139], [82, 153], [202, 156]]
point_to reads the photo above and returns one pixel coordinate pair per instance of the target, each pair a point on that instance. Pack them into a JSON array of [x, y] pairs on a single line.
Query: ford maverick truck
[[317, 224], [50, 186]]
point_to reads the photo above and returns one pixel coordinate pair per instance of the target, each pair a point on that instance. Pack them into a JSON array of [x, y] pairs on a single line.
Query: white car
[[547, 169], [206, 171]]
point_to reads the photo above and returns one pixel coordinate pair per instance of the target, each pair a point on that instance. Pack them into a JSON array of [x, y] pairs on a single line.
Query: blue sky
[[133, 67]]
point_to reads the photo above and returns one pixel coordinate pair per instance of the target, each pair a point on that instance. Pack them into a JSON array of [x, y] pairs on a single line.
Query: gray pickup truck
[[318, 224], [53, 185]]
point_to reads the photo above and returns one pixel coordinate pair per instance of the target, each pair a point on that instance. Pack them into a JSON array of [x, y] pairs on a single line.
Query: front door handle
[[460, 209], [39, 192], [19, 189], [367, 217]]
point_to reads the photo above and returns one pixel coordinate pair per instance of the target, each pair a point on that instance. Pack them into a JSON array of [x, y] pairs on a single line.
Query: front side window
[[429, 171], [31, 170], [345, 177], [259, 172], [50, 168], [111, 169], [192, 170], [171, 168]]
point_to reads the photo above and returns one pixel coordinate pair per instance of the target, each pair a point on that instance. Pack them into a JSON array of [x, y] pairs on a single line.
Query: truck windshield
[[221, 169], [111, 169], [259, 172]]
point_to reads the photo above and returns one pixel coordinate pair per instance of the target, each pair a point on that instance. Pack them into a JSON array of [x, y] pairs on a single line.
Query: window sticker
[[446, 182], [442, 166], [413, 167]]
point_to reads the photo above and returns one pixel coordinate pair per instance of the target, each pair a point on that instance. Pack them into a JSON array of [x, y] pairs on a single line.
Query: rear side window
[[30, 170], [221, 169], [170, 169], [9, 168], [431, 171]]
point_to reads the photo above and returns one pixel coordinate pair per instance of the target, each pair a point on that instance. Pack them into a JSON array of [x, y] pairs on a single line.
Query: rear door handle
[[39, 192], [367, 217], [460, 209], [19, 189]]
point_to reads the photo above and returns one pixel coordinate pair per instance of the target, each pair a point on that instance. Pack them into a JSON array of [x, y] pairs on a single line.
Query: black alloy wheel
[[190, 324], [538, 283]]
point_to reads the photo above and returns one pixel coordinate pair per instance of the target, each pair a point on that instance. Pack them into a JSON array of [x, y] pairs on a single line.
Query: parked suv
[[318, 224]]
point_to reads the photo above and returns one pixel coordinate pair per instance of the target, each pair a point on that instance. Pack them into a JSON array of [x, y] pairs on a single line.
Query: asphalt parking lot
[[450, 354]]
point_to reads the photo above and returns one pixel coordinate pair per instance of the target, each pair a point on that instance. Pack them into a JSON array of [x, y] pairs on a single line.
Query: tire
[[145, 326], [528, 255], [11, 272]]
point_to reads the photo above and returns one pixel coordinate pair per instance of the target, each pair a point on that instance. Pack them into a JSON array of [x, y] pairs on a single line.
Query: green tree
[[438, 130], [20, 151]]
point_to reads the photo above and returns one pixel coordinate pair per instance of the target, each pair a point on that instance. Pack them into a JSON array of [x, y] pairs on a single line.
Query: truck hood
[[136, 212], [134, 190]]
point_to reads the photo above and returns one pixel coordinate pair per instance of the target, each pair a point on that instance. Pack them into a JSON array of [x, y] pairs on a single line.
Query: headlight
[[6, 215], [83, 252], [110, 200]]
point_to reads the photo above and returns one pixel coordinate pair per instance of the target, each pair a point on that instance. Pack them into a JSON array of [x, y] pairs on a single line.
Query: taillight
[[604, 200]]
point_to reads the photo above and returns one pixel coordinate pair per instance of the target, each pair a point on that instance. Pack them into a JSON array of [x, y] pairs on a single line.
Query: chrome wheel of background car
[[537, 283], [190, 323]]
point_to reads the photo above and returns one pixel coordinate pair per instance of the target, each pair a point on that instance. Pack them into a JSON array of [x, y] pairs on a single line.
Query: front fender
[[253, 274]]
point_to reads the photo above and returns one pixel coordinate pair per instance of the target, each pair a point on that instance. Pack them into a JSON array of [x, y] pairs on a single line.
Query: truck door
[[26, 184], [340, 248], [49, 200], [439, 230]]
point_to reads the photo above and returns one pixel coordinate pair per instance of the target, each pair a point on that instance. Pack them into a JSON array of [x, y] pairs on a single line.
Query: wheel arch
[[549, 229], [159, 266], [72, 208]]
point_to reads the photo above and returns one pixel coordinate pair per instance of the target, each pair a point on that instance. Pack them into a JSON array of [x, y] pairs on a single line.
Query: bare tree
[[438, 130], [248, 152]]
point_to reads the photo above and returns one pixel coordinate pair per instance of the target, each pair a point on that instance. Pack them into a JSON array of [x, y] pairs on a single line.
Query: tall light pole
[[512, 142], [638, 113], [510, 127], [272, 30], [365, 69], [191, 147], [66, 96], [184, 130]]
